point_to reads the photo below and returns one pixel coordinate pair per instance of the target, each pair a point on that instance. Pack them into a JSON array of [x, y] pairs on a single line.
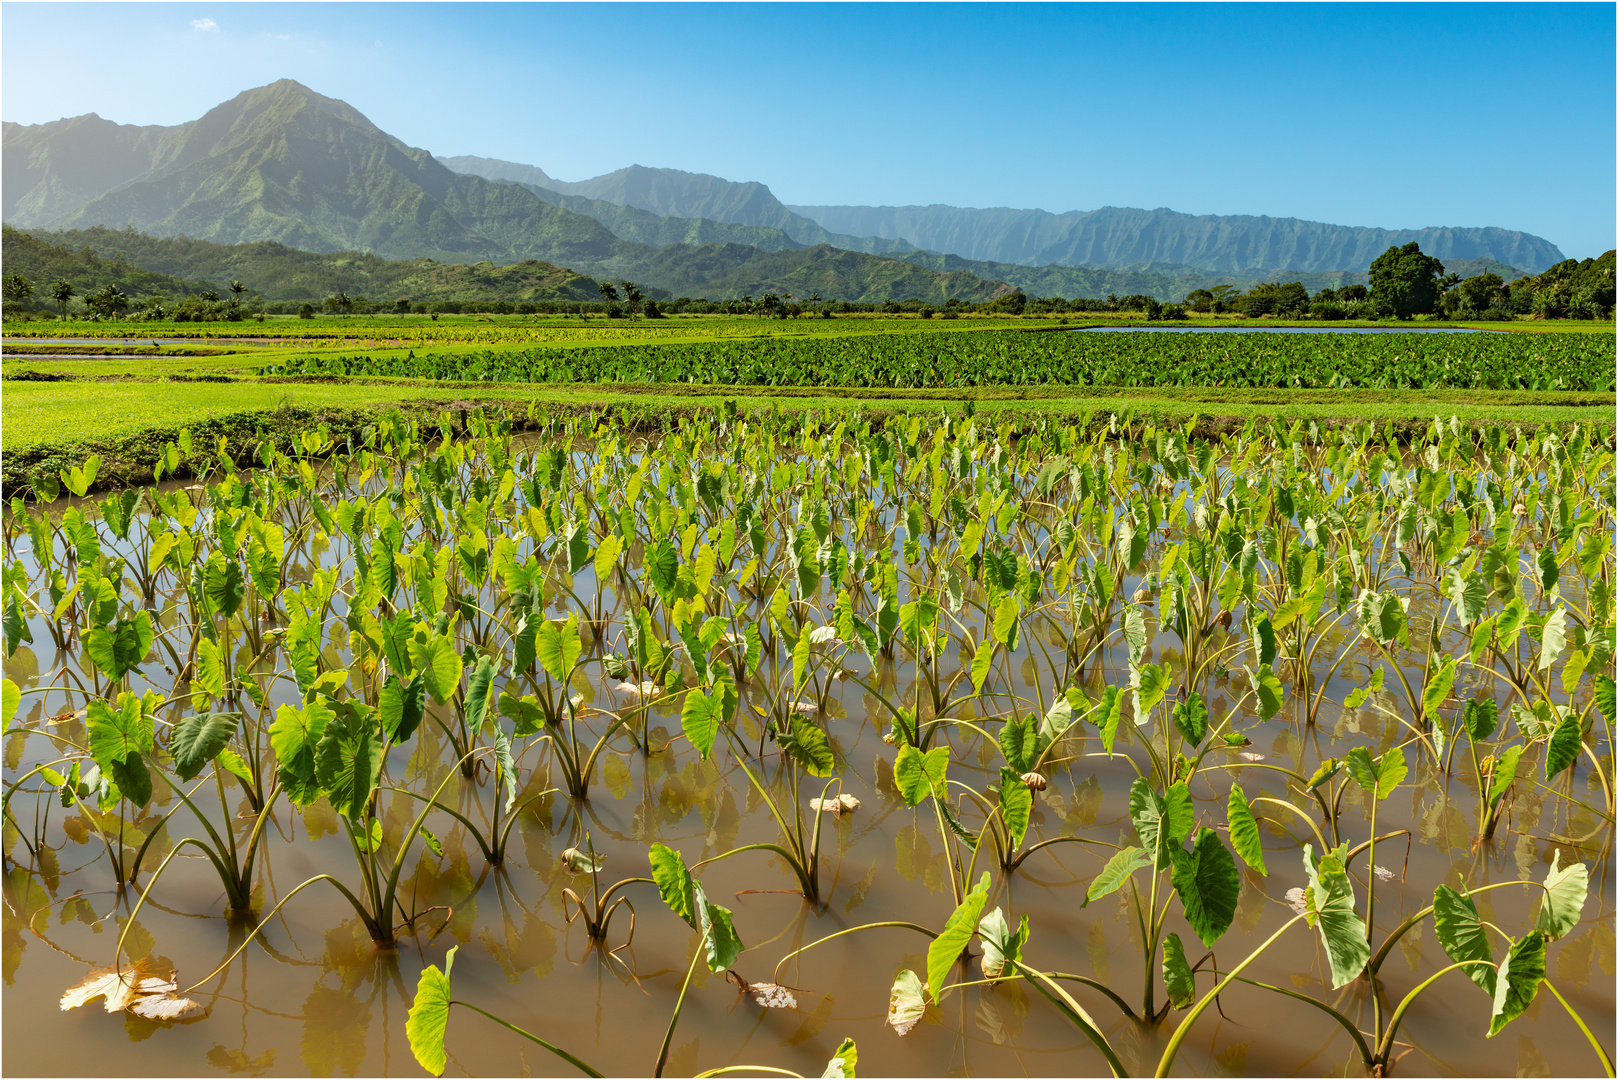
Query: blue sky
[[1357, 114]]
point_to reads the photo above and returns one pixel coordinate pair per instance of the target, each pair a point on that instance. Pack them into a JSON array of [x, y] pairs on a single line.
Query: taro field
[[763, 746]]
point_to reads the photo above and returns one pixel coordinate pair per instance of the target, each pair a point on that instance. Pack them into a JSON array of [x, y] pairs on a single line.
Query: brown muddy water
[[313, 996], [316, 998]]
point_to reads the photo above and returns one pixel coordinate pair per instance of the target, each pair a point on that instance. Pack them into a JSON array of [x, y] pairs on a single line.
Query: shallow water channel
[[313, 995]]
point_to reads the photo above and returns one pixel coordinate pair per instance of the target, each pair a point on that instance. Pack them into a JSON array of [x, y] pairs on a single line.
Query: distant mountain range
[[282, 163]]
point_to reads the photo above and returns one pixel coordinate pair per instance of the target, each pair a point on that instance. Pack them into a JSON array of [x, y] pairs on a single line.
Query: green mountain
[[144, 265], [47, 258], [282, 163], [1122, 236], [676, 194]]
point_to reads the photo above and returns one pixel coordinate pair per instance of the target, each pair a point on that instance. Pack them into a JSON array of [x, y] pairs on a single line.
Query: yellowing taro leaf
[[905, 1002], [117, 986], [843, 1061], [429, 1016]]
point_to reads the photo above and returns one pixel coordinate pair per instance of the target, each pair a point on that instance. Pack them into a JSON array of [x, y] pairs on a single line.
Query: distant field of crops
[[944, 359]]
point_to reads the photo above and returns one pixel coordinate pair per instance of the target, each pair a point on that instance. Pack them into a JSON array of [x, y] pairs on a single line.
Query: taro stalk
[[560, 653], [195, 742], [719, 945], [1002, 960], [805, 750], [336, 749], [1027, 745], [401, 715], [597, 915], [1204, 877]]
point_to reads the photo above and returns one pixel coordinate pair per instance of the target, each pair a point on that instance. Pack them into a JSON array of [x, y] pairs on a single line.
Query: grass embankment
[[123, 405]]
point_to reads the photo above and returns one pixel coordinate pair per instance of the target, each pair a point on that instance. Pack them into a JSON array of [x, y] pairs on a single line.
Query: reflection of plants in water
[[1015, 604]]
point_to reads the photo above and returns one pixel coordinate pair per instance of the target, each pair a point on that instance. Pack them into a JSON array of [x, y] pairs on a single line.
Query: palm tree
[[236, 290], [609, 292], [632, 297], [62, 291]]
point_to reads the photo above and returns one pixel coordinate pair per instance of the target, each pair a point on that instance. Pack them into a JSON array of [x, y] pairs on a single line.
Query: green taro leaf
[[1191, 717], [1332, 902], [134, 780], [1505, 774], [429, 1016], [1109, 711], [210, 668], [1244, 834], [1001, 947], [918, 775], [1270, 692], [9, 703], [1264, 641], [294, 737], [1177, 978], [1016, 804], [1438, 687], [719, 932], [115, 734], [1481, 716], [438, 664], [1118, 870], [348, 760], [120, 648], [402, 706], [1567, 739], [958, 930], [1552, 642], [1566, 889], [197, 740], [1150, 683], [1378, 775], [1147, 809], [222, 584], [699, 719], [674, 882], [1208, 885], [1019, 743], [479, 689], [808, 745], [1521, 972], [1462, 935], [558, 648]]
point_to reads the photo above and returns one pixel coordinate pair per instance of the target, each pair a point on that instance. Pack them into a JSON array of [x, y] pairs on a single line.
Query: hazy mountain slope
[[495, 169], [645, 227], [676, 194], [1114, 236]]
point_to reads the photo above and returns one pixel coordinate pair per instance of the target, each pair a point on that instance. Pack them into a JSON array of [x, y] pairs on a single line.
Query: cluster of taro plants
[[1018, 358], [1034, 599]]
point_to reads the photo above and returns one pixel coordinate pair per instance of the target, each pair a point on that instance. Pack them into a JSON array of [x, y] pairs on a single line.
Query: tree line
[[1403, 283]]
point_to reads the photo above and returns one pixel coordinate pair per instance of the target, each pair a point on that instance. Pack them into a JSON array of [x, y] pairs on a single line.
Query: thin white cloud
[[205, 25]]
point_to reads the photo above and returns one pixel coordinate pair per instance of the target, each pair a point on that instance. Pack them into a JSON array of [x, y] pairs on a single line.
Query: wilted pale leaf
[[117, 986], [905, 1002], [581, 862], [165, 1007]]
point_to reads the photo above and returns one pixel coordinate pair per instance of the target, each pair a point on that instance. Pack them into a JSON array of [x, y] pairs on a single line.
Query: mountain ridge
[[284, 163]]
